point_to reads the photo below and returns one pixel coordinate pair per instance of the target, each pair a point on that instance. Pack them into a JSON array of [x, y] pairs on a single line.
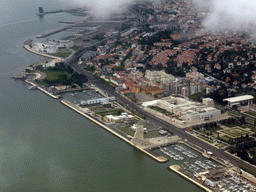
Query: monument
[[138, 138]]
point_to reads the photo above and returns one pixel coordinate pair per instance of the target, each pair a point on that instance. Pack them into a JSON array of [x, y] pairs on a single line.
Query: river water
[[45, 146]]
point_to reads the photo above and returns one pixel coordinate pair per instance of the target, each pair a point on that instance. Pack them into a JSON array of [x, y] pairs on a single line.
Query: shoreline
[[160, 159], [175, 169], [41, 89]]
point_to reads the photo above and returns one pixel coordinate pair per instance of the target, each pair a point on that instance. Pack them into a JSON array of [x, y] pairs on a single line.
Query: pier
[[41, 89], [42, 13], [23, 75], [54, 32]]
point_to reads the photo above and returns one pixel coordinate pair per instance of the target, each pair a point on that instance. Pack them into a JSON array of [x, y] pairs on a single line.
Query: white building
[[104, 100], [208, 102], [119, 118], [159, 77], [52, 46], [187, 110]]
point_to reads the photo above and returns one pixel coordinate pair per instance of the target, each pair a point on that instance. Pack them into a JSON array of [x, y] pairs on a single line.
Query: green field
[[214, 129], [110, 112], [63, 54], [234, 113], [207, 140], [158, 109], [75, 47], [250, 113], [54, 75], [235, 132]]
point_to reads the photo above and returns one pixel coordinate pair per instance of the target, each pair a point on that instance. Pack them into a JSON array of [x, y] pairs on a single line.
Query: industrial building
[[104, 100]]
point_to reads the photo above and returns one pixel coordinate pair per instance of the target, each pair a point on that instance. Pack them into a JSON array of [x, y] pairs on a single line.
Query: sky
[[229, 14]]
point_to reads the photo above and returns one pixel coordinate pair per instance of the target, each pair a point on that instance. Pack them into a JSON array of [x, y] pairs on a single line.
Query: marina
[[171, 154], [45, 145]]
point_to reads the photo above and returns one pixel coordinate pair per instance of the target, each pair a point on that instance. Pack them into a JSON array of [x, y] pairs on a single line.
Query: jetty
[[54, 31]]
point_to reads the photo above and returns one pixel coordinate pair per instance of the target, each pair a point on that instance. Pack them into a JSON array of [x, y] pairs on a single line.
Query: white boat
[[32, 87]]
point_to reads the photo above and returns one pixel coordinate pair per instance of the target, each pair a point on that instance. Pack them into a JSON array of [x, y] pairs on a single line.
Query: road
[[71, 61], [159, 122]]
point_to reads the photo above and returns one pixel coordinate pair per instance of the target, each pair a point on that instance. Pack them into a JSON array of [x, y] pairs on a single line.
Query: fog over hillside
[[103, 8], [228, 14]]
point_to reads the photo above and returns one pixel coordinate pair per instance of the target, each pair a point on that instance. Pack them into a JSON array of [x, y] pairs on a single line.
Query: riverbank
[[39, 53], [125, 138], [176, 169]]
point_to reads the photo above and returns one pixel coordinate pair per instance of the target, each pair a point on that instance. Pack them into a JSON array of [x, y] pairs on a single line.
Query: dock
[[115, 132], [176, 169], [41, 89]]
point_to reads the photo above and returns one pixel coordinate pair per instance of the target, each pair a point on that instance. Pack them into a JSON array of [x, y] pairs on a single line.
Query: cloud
[[103, 8], [229, 14]]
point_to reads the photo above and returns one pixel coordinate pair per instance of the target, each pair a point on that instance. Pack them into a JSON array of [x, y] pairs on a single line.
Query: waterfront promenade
[[115, 132], [39, 53]]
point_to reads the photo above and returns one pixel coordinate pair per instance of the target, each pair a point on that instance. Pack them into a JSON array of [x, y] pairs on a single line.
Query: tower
[[139, 134], [40, 9]]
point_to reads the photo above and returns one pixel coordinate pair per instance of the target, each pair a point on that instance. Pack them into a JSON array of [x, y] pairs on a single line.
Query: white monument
[[139, 133]]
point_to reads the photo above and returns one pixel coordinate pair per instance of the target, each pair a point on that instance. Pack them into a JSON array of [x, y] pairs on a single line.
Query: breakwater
[[54, 32], [125, 138]]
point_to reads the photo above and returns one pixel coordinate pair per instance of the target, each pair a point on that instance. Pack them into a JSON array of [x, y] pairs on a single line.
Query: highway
[[180, 132]]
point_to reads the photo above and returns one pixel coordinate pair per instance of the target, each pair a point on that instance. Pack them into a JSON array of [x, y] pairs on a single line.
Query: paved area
[[40, 75], [143, 97]]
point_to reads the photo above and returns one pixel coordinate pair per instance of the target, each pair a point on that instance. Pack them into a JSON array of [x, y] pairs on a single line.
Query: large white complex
[[104, 100], [52, 46], [187, 110], [159, 77]]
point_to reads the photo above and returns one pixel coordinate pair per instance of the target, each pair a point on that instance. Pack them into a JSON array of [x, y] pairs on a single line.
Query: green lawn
[[250, 113], [207, 140], [54, 75], [75, 47], [232, 134], [214, 129], [233, 113], [63, 54], [110, 112], [158, 109]]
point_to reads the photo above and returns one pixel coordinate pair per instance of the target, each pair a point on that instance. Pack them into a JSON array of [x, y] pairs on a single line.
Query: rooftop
[[237, 99]]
